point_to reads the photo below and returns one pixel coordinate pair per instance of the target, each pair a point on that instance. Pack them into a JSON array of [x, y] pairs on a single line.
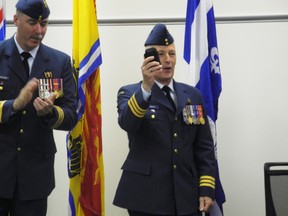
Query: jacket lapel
[[40, 63], [14, 60], [159, 97], [182, 96]]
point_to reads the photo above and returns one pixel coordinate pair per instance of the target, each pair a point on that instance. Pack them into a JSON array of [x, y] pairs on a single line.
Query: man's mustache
[[37, 37]]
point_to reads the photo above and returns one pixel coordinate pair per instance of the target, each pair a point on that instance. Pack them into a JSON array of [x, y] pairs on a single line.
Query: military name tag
[[49, 87]]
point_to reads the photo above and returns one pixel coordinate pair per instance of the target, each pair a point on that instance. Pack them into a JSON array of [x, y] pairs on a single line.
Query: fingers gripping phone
[[152, 52]]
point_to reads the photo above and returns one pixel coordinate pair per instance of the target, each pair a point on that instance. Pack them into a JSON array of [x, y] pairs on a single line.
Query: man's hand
[[44, 106], [25, 95], [149, 68], [205, 204]]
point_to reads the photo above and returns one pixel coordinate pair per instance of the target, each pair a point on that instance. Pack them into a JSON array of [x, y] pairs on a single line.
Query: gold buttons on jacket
[[176, 151], [175, 135], [174, 166], [24, 112], [21, 131], [19, 149]]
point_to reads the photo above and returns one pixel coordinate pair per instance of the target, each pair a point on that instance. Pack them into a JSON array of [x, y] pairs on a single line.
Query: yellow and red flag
[[84, 146]]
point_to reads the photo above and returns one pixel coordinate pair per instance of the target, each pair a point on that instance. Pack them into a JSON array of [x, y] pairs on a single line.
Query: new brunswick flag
[[84, 145]]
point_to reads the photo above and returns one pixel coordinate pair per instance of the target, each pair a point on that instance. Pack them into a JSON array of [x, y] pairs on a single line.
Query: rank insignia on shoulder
[[193, 114], [121, 93]]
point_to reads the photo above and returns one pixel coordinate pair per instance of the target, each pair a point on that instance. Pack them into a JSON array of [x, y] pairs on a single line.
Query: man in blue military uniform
[[169, 169], [27, 146]]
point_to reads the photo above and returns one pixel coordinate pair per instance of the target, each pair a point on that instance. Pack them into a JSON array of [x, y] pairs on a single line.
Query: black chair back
[[276, 188]]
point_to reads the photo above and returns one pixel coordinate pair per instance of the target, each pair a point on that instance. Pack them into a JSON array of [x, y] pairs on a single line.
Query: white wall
[[253, 105]]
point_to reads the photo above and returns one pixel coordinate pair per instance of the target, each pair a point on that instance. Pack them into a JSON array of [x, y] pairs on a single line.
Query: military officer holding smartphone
[[169, 170]]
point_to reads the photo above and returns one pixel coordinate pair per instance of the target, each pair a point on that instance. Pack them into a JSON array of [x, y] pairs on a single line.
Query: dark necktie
[[167, 90], [26, 56]]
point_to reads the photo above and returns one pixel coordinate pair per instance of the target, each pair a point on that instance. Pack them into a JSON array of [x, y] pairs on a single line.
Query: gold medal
[[202, 120]]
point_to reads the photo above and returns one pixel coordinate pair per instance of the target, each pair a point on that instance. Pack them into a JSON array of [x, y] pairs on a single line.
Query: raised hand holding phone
[[150, 67], [152, 52]]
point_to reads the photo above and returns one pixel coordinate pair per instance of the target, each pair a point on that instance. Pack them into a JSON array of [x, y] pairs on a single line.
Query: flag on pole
[[201, 54], [84, 143], [2, 20]]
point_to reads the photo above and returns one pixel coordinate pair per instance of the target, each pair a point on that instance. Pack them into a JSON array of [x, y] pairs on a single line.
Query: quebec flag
[[2, 20], [201, 54]]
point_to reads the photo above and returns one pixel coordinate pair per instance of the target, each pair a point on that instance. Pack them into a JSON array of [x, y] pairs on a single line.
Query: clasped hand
[[42, 106]]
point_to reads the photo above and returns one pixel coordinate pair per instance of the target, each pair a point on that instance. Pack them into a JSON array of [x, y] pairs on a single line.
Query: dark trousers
[[23, 208], [16, 207], [135, 213]]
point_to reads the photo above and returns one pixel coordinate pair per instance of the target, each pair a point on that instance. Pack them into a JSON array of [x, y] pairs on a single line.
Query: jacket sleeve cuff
[[137, 104], [54, 119], [5, 110], [207, 186]]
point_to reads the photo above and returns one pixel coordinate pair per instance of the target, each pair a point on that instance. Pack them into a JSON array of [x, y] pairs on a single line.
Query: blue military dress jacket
[[27, 145], [171, 156]]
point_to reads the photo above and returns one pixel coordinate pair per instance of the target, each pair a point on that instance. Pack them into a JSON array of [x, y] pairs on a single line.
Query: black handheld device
[[152, 52]]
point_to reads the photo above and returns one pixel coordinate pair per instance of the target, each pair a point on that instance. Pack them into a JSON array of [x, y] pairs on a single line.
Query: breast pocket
[[156, 122], [155, 114], [9, 89], [189, 131], [3, 86]]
